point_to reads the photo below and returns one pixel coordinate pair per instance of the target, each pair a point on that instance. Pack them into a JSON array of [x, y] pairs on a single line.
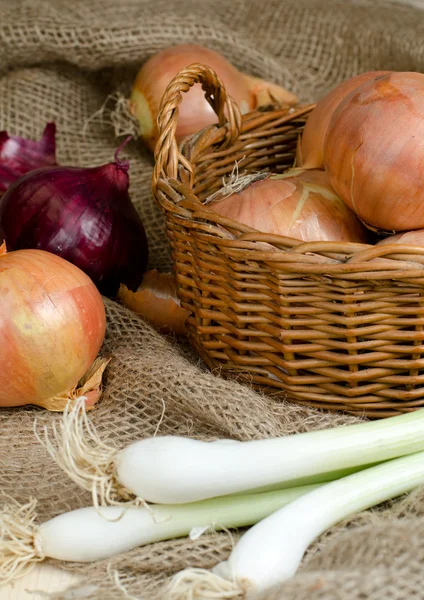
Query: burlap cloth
[[60, 60]]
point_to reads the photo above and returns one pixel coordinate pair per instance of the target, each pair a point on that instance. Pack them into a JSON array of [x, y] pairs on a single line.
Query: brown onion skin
[[374, 151], [155, 75], [312, 143], [52, 324], [271, 206], [156, 300], [408, 238], [194, 112]]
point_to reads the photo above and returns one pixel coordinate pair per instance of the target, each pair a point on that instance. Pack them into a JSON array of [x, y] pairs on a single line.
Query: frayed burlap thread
[[72, 62]]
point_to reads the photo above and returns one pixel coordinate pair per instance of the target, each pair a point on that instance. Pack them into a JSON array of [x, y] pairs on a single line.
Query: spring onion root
[[174, 470], [18, 550], [284, 536], [89, 534]]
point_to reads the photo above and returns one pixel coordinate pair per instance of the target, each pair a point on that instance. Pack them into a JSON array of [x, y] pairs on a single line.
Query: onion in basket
[[310, 153], [409, 238], [374, 151], [195, 112], [298, 204]]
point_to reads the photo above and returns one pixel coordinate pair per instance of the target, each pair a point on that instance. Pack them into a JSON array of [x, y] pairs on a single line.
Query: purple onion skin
[[19, 155], [83, 215]]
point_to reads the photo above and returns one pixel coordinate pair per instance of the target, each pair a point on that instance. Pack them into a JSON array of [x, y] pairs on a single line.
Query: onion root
[[18, 548], [201, 584]]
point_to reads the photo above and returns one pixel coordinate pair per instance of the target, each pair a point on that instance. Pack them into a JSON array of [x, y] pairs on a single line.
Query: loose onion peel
[[156, 300]]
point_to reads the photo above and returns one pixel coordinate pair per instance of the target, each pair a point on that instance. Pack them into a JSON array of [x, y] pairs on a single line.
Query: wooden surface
[[42, 577]]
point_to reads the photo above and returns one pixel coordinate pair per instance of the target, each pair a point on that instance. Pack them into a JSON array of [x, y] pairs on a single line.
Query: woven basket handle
[[167, 155]]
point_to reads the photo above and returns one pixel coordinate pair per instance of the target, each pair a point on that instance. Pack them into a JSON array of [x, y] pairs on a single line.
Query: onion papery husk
[[89, 387], [380, 233], [236, 184], [156, 300]]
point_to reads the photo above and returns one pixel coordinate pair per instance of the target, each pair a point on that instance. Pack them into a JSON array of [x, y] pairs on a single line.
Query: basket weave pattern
[[334, 325]]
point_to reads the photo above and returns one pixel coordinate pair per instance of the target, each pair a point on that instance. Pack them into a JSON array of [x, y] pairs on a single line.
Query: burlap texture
[[60, 61]]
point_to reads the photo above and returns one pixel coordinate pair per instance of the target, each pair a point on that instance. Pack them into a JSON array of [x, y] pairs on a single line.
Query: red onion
[[19, 155], [84, 215]]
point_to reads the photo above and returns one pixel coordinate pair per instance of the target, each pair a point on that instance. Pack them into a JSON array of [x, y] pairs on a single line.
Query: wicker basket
[[337, 326]]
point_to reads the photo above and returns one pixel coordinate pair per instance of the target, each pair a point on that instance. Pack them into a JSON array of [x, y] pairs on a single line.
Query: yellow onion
[[52, 324], [310, 154], [195, 112], [156, 300], [374, 152], [299, 204], [409, 238]]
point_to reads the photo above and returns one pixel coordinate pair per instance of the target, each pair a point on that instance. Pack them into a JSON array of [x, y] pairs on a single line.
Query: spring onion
[[89, 534], [284, 536], [174, 470]]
